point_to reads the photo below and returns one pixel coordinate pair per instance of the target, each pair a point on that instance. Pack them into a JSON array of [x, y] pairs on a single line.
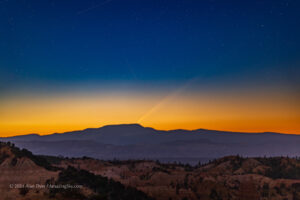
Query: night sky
[[226, 65]]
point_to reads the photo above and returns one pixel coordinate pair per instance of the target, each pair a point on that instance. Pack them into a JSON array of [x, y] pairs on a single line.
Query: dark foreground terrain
[[23, 174]]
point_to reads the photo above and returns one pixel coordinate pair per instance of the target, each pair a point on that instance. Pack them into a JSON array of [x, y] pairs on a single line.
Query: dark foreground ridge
[[231, 177], [92, 187]]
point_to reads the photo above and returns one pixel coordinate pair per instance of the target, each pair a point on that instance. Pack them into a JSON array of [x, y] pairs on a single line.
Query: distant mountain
[[133, 141]]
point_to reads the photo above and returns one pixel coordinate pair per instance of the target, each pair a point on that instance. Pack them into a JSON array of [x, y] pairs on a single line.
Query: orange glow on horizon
[[222, 111]]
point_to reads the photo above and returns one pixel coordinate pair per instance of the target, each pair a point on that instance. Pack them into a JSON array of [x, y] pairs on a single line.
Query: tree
[[23, 191]]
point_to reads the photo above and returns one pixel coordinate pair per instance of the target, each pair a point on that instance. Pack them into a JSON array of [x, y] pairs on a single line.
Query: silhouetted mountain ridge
[[133, 141]]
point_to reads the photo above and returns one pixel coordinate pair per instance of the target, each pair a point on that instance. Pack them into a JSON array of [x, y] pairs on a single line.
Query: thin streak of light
[[167, 98], [93, 7]]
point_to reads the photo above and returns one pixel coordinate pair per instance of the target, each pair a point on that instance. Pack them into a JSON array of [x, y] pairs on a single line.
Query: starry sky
[[168, 64]]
